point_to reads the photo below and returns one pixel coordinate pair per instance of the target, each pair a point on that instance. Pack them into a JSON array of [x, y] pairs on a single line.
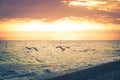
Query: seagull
[[30, 48], [35, 48], [62, 47]]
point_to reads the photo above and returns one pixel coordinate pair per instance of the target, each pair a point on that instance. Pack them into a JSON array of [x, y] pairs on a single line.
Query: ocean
[[44, 59]]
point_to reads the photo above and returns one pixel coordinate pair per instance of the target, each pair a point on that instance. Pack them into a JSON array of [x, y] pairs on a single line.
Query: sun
[[65, 24], [60, 25]]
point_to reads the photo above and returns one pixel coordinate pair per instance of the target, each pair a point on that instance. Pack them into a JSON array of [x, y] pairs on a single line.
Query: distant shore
[[108, 71]]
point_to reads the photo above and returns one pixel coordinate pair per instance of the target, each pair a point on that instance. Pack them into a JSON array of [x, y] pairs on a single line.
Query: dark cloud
[[55, 9], [105, 17], [39, 9], [31, 8]]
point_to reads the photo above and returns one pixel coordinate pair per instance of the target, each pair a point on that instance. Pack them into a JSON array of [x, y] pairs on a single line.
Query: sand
[[108, 71]]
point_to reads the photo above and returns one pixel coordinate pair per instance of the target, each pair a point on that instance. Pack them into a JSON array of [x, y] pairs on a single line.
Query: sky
[[59, 20]]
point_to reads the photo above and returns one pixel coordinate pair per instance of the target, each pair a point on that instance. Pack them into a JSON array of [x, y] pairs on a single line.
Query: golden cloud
[[108, 5]]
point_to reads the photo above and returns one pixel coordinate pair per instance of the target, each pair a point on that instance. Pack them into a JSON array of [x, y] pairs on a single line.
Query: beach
[[108, 71]]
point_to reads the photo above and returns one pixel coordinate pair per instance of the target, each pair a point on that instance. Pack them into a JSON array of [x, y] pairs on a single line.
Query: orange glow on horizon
[[65, 24], [61, 35], [69, 28]]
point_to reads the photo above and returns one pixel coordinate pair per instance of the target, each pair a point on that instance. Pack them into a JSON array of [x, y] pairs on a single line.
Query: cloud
[[52, 10], [108, 5], [31, 8], [99, 10], [83, 2]]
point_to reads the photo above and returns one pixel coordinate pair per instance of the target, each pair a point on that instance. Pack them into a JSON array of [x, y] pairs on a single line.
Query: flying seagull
[[63, 47], [30, 48]]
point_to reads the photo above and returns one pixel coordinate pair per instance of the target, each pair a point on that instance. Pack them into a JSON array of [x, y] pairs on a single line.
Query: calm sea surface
[[27, 59]]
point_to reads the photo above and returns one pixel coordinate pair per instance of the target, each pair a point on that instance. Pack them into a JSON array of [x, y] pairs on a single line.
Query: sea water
[[39, 60]]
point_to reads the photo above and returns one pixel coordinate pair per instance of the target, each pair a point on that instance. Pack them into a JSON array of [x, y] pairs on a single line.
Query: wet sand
[[108, 71]]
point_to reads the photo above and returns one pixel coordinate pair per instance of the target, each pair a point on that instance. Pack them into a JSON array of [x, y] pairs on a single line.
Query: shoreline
[[107, 71]]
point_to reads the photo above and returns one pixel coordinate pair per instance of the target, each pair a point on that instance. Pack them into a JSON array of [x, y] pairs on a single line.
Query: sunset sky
[[59, 19]]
